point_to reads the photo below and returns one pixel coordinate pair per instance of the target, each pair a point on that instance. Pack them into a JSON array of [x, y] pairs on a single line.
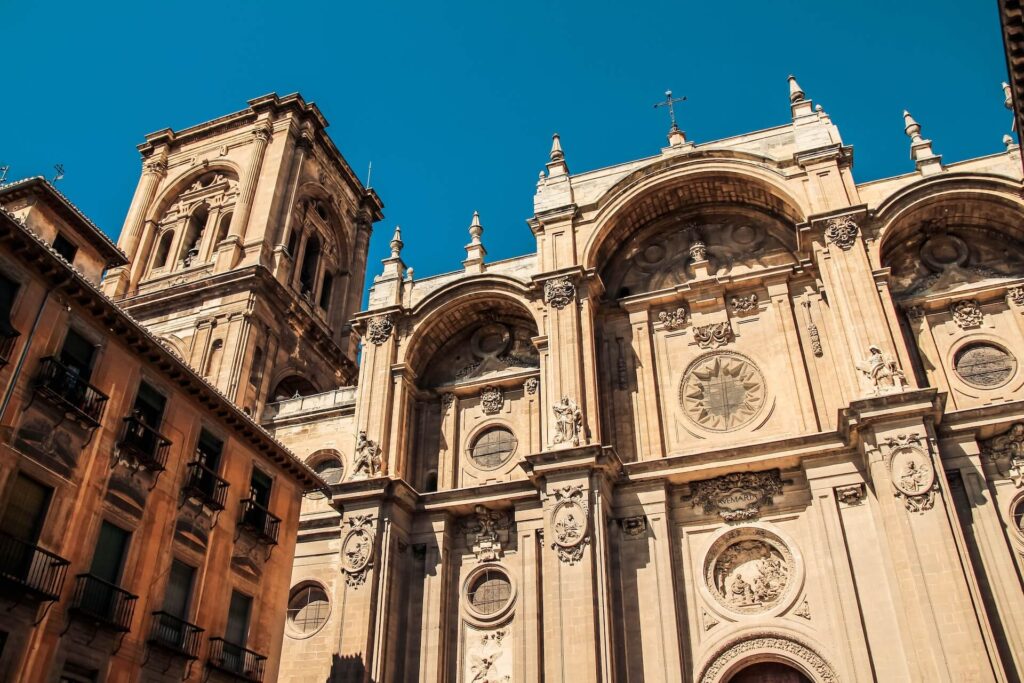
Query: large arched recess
[[170, 193], [667, 187], [470, 340], [950, 230]]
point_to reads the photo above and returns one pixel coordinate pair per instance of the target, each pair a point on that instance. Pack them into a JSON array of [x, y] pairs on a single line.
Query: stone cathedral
[[739, 417]]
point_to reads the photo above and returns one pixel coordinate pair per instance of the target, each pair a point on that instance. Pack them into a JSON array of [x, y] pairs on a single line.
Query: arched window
[[292, 386], [256, 371], [213, 362], [193, 235], [223, 228], [330, 470], [325, 291], [310, 261], [163, 249]]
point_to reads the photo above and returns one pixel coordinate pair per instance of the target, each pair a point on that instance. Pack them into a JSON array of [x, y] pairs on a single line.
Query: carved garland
[[559, 292], [357, 550], [379, 329], [570, 523], [788, 646], [744, 305], [841, 231]]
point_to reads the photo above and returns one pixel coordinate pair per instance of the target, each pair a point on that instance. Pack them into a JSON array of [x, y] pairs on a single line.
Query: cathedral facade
[[738, 418]]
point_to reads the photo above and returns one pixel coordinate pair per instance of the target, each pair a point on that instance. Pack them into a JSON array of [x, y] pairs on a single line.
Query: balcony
[[203, 483], [260, 521], [175, 635], [236, 661], [108, 605], [7, 339], [28, 569], [64, 387], [144, 444]]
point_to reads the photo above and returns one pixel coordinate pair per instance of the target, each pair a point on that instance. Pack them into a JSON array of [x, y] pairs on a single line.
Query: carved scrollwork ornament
[[713, 335], [1015, 296], [737, 496], [531, 385], [559, 292], [1007, 451], [357, 550], [841, 231], [911, 472], [674, 319], [379, 329], [570, 523], [967, 314], [850, 495], [743, 305]]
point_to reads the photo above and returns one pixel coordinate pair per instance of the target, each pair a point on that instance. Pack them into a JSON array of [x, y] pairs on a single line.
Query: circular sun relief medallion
[[722, 392], [749, 571]]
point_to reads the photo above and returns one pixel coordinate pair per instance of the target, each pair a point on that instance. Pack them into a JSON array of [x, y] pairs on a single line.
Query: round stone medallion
[[722, 391], [750, 570]]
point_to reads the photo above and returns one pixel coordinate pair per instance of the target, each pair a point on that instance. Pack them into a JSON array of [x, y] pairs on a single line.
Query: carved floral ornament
[[743, 305], [911, 472], [379, 329], [967, 314], [531, 385], [569, 523], [1007, 451], [841, 231], [1015, 296], [737, 496], [559, 292], [489, 658], [751, 570], [674, 319], [491, 400], [357, 549], [713, 335]]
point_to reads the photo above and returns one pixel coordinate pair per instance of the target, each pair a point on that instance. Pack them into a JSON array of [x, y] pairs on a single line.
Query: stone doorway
[[769, 672]]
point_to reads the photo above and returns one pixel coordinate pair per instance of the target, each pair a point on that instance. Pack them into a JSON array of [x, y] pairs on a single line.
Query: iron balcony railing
[[7, 341], [143, 443], [175, 635], [237, 661], [103, 602], [260, 521], [26, 568], [203, 483], [65, 387]]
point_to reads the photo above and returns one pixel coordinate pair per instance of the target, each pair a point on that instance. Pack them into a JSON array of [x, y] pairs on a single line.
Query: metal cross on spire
[[670, 103]]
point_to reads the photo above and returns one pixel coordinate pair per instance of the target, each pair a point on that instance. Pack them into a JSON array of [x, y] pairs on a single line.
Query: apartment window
[[149, 406], [73, 673], [26, 509], [77, 355], [178, 598], [208, 450], [8, 290], [63, 246], [239, 612], [259, 487], [111, 549]]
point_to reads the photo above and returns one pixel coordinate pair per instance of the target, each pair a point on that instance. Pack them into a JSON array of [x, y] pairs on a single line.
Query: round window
[[330, 470], [489, 592], [493, 448], [308, 609], [984, 365]]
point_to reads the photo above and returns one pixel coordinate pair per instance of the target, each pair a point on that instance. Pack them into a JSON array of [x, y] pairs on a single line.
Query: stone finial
[[799, 105], [397, 243], [1007, 96], [1009, 143], [557, 166], [925, 159], [796, 93], [556, 148], [475, 251]]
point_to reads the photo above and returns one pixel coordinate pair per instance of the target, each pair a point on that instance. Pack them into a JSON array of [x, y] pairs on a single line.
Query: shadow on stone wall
[[348, 669]]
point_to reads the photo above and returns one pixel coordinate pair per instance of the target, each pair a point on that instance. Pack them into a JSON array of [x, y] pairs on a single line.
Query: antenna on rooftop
[[3, 173], [59, 175], [369, 175]]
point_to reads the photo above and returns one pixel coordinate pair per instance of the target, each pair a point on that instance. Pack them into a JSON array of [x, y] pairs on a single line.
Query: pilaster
[[120, 280], [229, 252]]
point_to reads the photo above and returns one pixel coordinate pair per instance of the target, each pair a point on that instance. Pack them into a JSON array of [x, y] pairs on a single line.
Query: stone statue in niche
[[568, 422], [367, 459], [881, 372]]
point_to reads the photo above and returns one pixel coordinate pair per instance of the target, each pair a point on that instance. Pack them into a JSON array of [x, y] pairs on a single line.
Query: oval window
[[984, 365], [489, 592], [493, 448], [308, 609]]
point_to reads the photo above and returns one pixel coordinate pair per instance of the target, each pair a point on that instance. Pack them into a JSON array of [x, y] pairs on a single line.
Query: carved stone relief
[[749, 571], [850, 495], [841, 231], [743, 305], [804, 610], [367, 458], [491, 400], [559, 293], [531, 385], [737, 496], [1015, 296], [713, 335], [489, 656], [967, 314], [674, 319], [1007, 451], [487, 533], [379, 329], [940, 259], [911, 471], [722, 392], [568, 422], [570, 523], [357, 549], [634, 528], [725, 659], [881, 373], [492, 349]]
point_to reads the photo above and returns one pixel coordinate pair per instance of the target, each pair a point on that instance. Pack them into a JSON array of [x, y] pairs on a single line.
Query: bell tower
[[247, 238]]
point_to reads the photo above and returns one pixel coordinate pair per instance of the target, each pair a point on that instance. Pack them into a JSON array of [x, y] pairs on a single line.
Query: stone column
[[650, 443], [119, 280], [782, 302], [434, 627], [303, 146], [229, 252]]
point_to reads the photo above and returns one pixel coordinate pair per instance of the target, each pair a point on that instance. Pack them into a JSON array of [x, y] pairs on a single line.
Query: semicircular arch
[[175, 187], [776, 645]]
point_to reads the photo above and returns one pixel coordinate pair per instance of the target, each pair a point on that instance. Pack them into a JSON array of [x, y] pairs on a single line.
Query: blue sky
[[455, 102]]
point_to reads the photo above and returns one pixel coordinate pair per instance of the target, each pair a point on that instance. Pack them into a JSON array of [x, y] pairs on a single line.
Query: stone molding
[[787, 646]]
